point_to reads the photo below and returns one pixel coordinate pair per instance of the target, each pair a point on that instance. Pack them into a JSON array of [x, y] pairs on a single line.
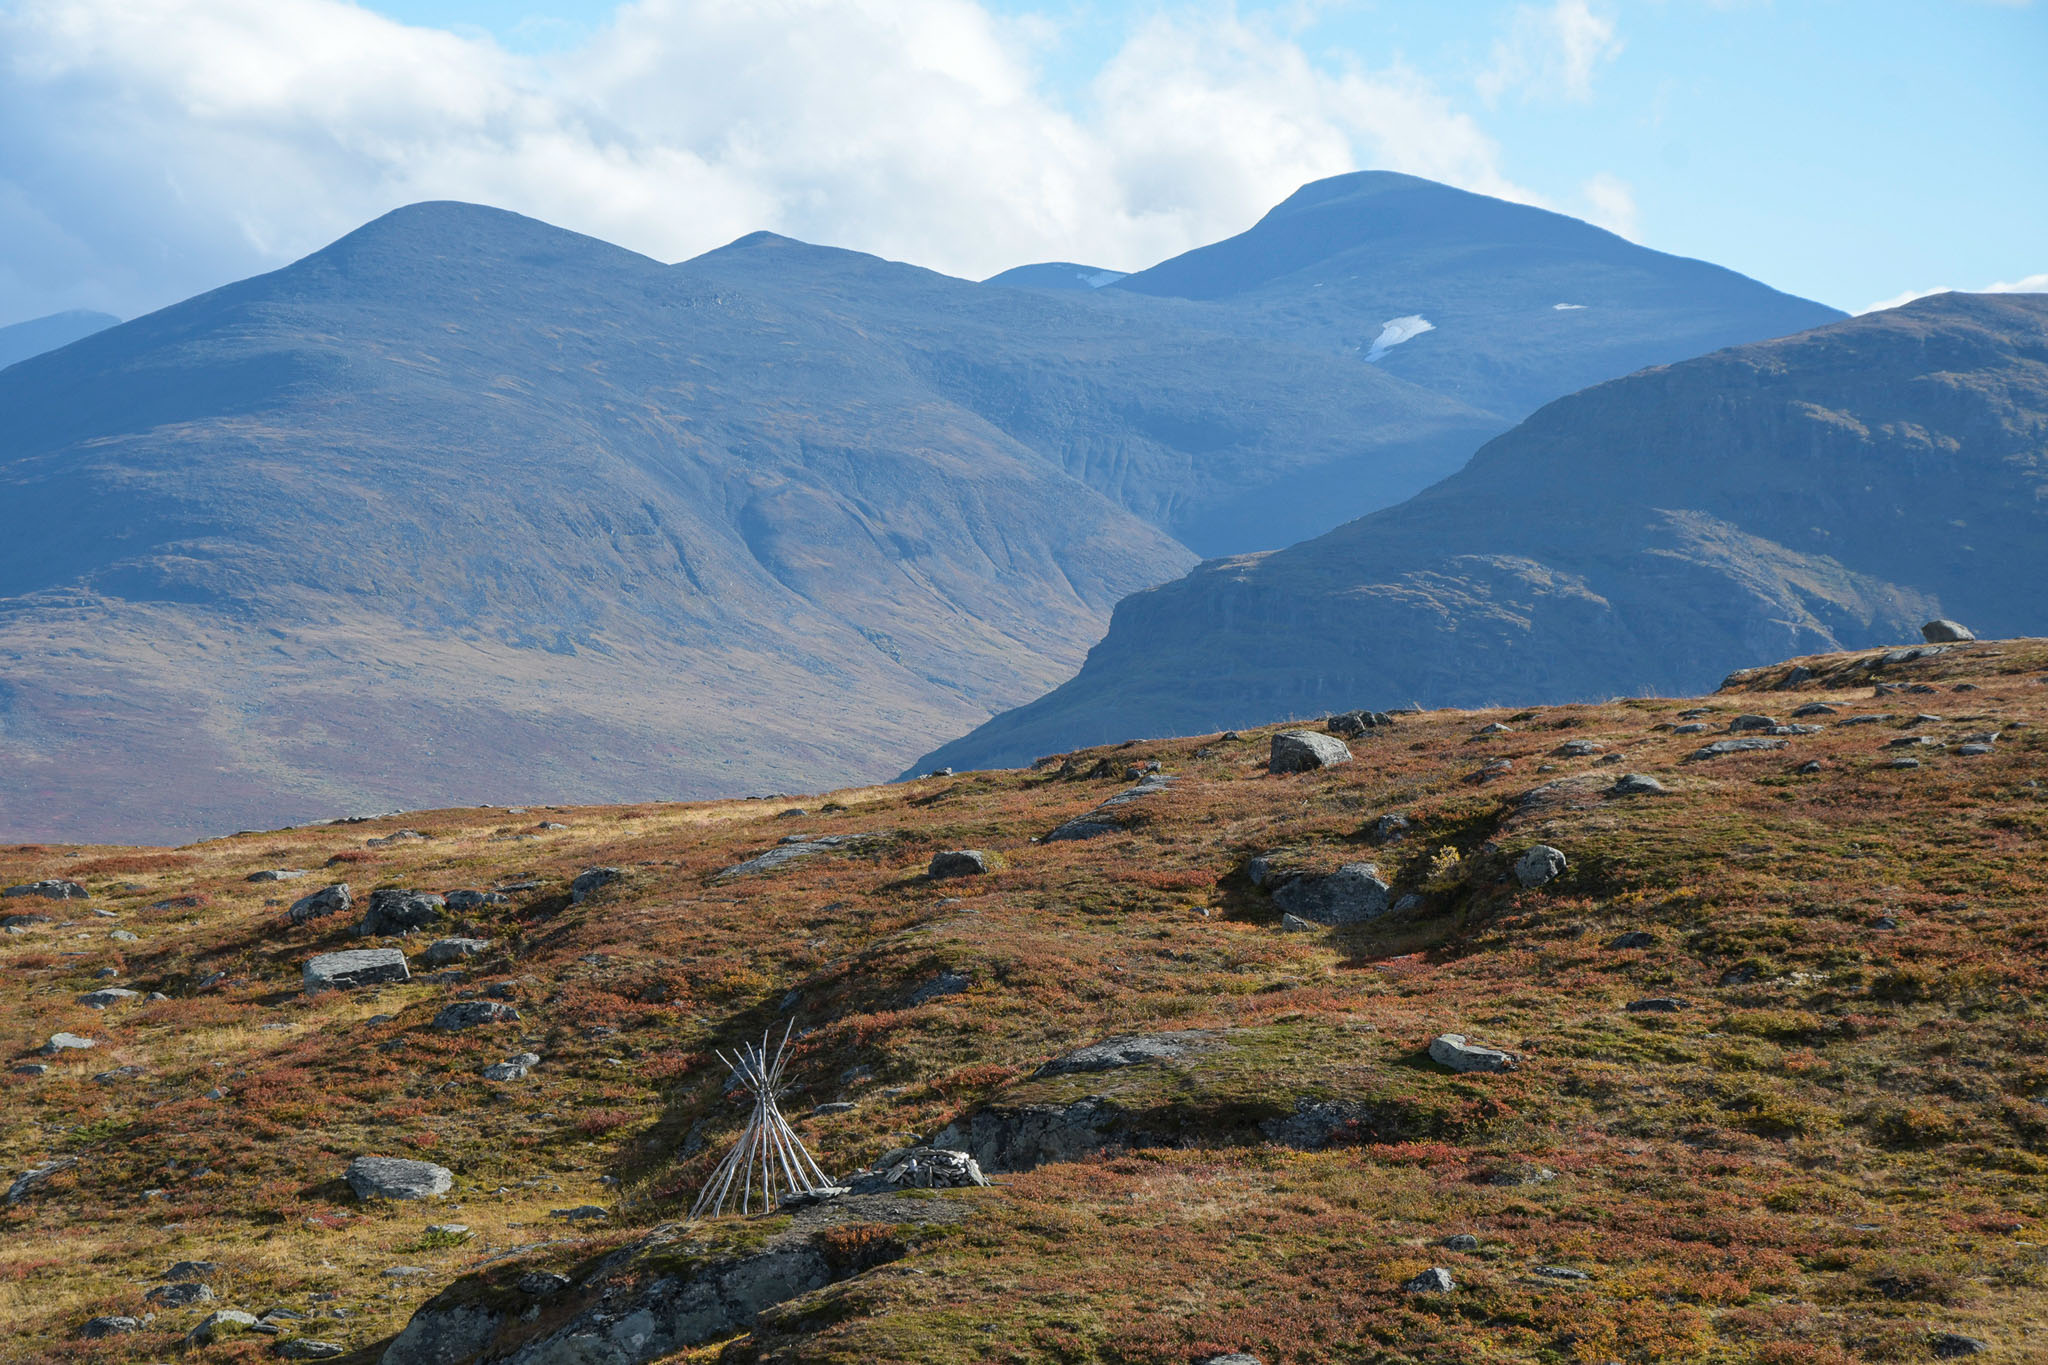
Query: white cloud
[[1611, 204], [1550, 53], [151, 148], [2027, 284]]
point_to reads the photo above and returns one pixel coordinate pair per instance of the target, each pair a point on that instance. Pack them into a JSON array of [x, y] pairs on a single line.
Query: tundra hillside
[[1771, 1055]]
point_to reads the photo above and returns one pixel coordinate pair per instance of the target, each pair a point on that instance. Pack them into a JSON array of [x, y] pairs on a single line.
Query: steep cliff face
[[1833, 489]]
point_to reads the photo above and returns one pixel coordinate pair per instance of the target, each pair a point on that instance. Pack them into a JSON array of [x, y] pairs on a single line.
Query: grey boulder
[[214, 1327], [50, 889], [1540, 866], [443, 952], [1132, 1050], [1353, 894], [391, 1177], [1304, 751], [1944, 631], [1451, 1050], [400, 912], [67, 1042], [1435, 1280], [355, 967], [328, 900], [110, 995], [474, 1013], [180, 1294], [113, 1325], [958, 862], [592, 880], [1637, 784]]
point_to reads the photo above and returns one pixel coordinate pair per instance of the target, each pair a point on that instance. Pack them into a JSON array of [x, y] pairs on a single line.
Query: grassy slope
[[1828, 1159]]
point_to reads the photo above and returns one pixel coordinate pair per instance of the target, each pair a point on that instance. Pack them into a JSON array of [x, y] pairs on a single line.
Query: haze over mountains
[[464, 507], [23, 339], [1831, 490]]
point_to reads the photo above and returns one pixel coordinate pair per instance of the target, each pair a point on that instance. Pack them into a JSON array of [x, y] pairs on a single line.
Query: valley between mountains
[[1648, 1030]]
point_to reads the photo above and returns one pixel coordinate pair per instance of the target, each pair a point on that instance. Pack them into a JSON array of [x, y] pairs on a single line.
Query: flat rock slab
[[474, 1013], [111, 995], [1103, 819], [1451, 1050], [592, 880], [1304, 751], [391, 1177], [51, 889], [355, 967], [328, 900], [444, 951], [783, 854], [1720, 748], [1133, 1050]]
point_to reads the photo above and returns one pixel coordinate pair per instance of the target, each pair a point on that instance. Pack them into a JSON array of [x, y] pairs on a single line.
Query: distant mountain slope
[[468, 505], [1828, 490], [1524, 305], [1228, 442], [23, 339], [1056, 275]]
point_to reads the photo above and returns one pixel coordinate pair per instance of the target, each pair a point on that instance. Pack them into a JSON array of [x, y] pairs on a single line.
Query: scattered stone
[[400, 912], [474, 1013], [1750, 722], [1354, 894], [36, 1175], [276, 874], [1540, 866], [1638, 784], [181, 1294], [958, 862], [1944, 631], [944, 984], [443, 952], [111, 1326], [834, 1107], [929, 1168], [513, 1068], [1954, 1346], [1656, 1004], [1130, 1050], [1435, 1280], [592, 880], [107, 973], [1867, 719], [124, 936], [1521, 1173], [31, 1069], [582, 1213], [1722, 747], [51, 889], [1634, 939], [551, 825], [110, 995], [1914, 742], [1451, 1050], [1974, 750], [1460, 1241], [397, 836], [1813, 708], [1559, 1272], [1233, 1358], [1812, 765], [67, 1042], [1295, 924], [192, 1270], [1901, 763], [1389, 828], [1104, 819], [306, 1348], [119, 1073], [391, 1177], [328, 900], [1496, 728], [219, 1326], [1351, 724], [355, 967], [1578, 748], [792, 849], [1690, 728], [1302, 751]]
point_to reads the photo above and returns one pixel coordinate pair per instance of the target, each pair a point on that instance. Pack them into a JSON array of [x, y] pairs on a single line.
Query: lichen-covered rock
[[1435, 1280], [1540, 866], [400, 912], [112, 1325], [443, 952], [355, 967], [328, 900], [474, 1013], [592, 880], [958, 862], [50, 889], [1451, 1050], [228, 1322], [391, 1177], [1945, 631], [1131, 1050], [1302, 751], [1353, 894]]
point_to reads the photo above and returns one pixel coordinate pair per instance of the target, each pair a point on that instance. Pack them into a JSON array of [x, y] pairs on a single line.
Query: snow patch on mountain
[[1397, 330]]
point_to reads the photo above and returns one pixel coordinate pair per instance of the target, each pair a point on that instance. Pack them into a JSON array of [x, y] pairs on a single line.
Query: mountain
[[467, 507], [1521, 305], [1056, 275], [37, 335], [1833, 489]]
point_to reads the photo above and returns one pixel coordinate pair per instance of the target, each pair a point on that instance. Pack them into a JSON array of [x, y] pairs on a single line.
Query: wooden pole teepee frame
[[769, 1149]]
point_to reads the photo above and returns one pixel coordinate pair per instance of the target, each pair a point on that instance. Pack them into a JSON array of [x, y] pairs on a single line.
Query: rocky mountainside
[[1832, 489], [1555, 1035], [21, 340]]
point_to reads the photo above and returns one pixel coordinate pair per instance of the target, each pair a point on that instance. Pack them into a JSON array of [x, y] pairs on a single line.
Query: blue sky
[[1851, 152]]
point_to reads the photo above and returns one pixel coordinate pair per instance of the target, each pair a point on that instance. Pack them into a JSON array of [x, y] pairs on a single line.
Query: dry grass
[[1834, 1150]]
